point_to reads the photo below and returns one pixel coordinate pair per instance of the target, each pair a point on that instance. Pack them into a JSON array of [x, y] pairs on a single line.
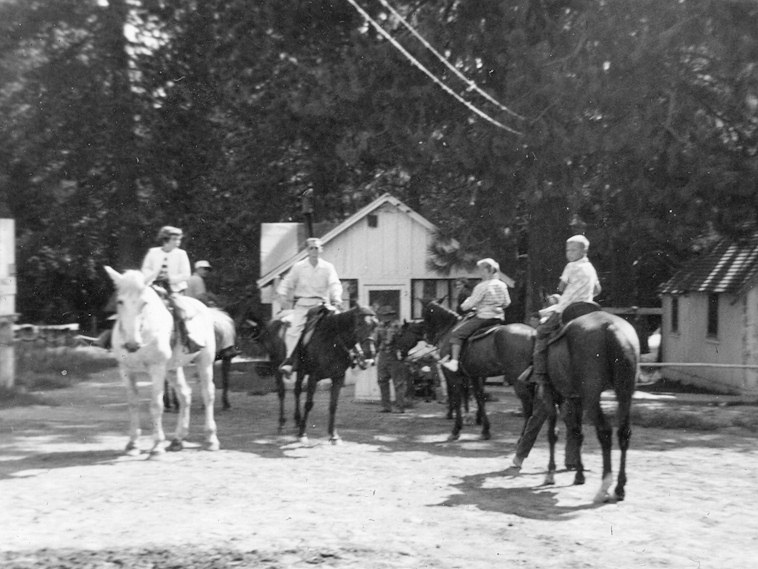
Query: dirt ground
[[394, 494]]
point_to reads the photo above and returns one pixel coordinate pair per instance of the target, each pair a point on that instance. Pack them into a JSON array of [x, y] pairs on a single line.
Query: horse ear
[[441, 299], [113, 274]]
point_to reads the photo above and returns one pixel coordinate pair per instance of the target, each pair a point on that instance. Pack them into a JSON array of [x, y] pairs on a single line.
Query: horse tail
[[623, 351], [223, 328]]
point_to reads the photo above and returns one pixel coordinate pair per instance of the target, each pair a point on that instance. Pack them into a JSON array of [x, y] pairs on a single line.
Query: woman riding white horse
[[144, 342]]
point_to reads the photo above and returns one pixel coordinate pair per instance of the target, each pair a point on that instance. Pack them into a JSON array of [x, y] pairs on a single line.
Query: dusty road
[[394, 494]]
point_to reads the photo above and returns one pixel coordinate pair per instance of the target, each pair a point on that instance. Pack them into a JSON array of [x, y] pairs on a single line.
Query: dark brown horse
[[329, 352], [505, 350], [595, 352]]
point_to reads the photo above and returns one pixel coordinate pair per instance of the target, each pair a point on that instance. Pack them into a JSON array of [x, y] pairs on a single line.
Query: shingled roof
[[730, 267]]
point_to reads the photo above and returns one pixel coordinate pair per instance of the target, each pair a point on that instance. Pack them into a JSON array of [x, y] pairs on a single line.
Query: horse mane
[[436, 315]]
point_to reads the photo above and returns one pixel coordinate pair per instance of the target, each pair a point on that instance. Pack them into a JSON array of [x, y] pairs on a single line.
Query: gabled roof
[[730, 267], [345, 225]]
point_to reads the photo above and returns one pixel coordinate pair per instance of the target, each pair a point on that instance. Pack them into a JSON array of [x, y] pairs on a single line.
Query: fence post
[[7, 301]]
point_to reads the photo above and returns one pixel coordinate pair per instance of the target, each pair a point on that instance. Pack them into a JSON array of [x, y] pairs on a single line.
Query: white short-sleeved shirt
[[580, 280], [309, 282]]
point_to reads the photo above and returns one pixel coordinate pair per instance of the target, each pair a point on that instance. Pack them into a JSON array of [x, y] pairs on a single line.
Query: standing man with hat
[[311, 282], [390, 366], [196, 287]]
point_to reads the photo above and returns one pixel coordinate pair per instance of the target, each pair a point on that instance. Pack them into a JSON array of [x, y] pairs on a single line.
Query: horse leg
[[281, 392], [481, 406], [574, 436], [334, 396], [454, 394], [226, 366], [552, 440], [311, 390], [604, 435], [208, 391], [297, 390], [158, 376], [182, 389], [132, 397], [624, 436]]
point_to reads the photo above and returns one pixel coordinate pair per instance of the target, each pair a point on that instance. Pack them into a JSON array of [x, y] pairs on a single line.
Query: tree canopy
[[638, 125]]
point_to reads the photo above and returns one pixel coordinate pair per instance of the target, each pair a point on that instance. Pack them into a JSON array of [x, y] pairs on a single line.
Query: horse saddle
[[572, 312], [483, 332], [312, 318]]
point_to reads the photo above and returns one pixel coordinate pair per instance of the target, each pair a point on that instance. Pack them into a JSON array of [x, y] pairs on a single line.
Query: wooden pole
[[7, 301]]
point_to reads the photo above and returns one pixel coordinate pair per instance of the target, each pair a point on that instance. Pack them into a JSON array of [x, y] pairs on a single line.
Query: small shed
[[381, 254], [710, 316]]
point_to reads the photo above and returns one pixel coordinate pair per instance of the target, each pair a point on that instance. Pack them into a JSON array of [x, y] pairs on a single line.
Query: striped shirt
[[490, 298]]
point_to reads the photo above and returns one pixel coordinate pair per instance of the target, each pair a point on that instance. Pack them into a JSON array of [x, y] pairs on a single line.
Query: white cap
[[202, 265]]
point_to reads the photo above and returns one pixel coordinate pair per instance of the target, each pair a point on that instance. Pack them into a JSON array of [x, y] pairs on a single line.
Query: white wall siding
[[691, 344]]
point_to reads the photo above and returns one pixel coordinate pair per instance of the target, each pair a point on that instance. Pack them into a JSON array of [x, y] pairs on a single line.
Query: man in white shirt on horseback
[[311, 282]]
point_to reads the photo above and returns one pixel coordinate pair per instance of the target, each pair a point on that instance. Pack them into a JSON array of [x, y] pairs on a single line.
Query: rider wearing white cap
[[489, 299], [310, 282]]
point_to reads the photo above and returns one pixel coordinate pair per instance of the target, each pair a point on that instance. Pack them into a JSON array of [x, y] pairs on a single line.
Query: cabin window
[[431, 289], [373, 220], [713, 315], [675, 314]]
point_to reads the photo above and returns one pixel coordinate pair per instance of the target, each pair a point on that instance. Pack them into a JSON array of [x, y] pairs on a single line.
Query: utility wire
[[447, 63], [431, 75]]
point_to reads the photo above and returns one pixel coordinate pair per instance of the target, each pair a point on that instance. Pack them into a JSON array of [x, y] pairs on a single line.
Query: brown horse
[[504, 350], [595, 352], [338, 342]]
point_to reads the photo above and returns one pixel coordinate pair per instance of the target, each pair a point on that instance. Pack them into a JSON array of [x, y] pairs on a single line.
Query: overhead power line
[[447, 63], [431, 75]]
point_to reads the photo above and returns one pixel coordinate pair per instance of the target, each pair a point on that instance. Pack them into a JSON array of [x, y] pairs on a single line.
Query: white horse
[[142, 343]]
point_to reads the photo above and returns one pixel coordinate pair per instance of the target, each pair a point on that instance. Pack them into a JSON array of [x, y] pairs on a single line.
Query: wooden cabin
[[710, 316], [381, 254]]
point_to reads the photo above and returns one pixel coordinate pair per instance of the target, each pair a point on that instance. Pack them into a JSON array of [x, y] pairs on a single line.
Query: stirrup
[[286, 370]]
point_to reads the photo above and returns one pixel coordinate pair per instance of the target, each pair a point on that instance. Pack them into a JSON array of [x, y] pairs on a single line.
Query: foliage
[[639, 124]]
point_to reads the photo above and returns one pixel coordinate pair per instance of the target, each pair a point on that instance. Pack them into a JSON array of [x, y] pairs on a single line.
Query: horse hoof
[[157, 451], [213, 446], [512, 470], [452, 438], [226, 407], [302, 439], [549, 479], [601, 498], [132, 449], [578, 479], [175, 446], [335, 441], [620, 494], [486, 436]]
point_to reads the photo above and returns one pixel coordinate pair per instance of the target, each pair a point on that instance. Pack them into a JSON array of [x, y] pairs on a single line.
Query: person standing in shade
[[196, 287], [390, 365], [311, 282]]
